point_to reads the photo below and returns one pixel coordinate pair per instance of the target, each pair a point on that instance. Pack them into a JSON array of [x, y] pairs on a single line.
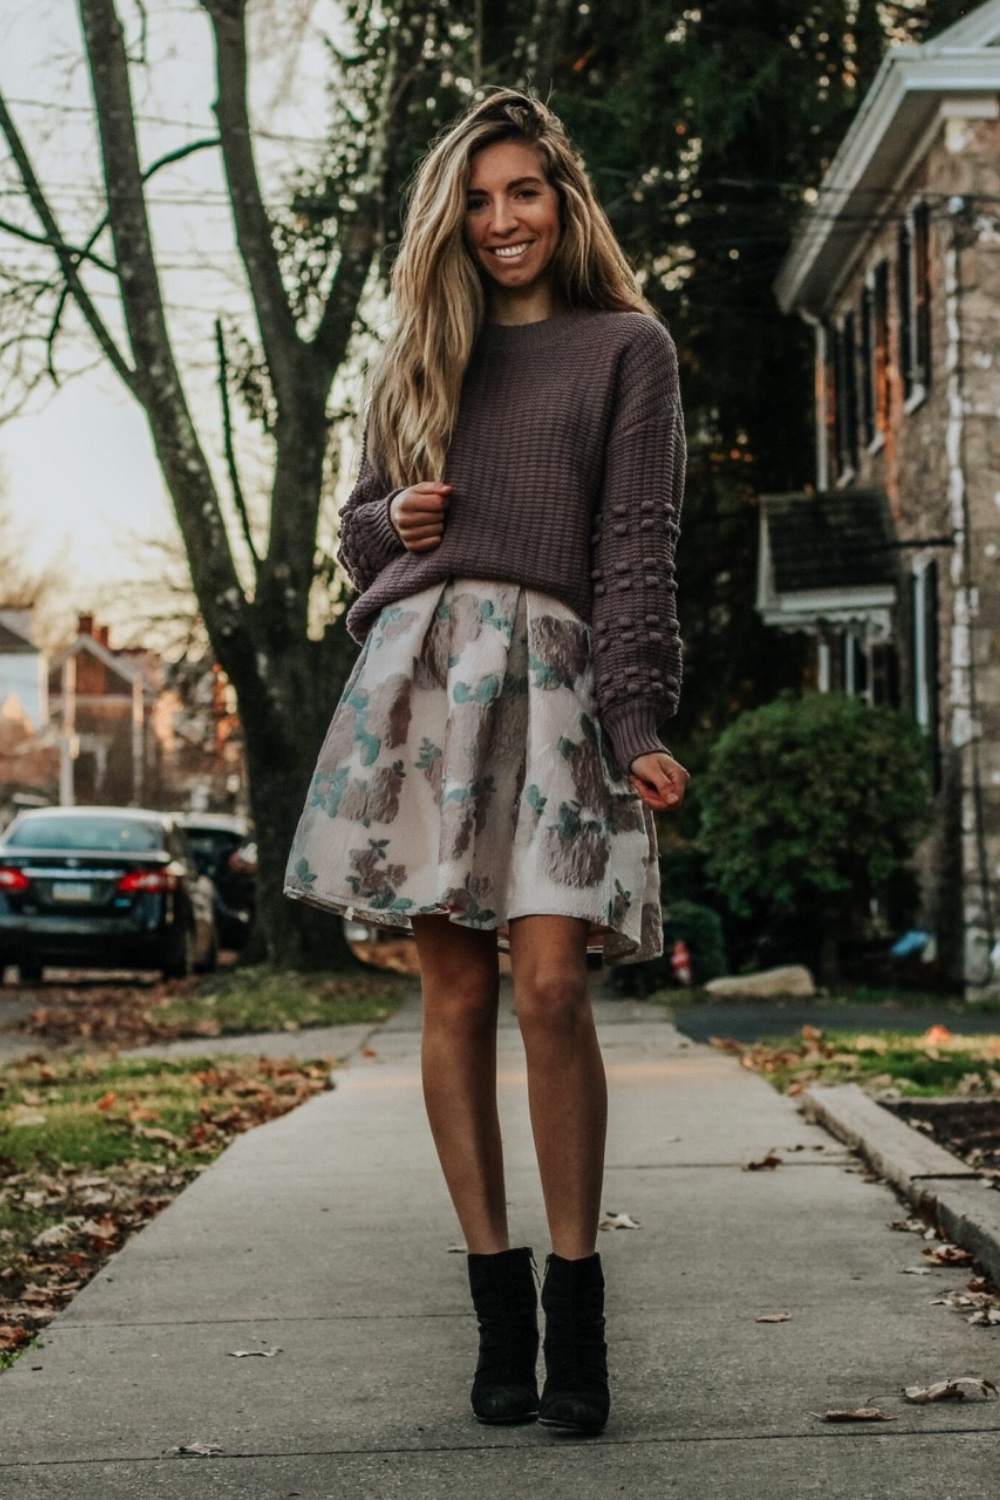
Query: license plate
[[71, 890]]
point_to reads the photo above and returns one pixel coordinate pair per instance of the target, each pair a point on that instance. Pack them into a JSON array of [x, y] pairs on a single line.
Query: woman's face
[[512, 214]]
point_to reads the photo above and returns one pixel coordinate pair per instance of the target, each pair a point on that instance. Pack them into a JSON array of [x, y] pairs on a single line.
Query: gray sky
[[78, 466]]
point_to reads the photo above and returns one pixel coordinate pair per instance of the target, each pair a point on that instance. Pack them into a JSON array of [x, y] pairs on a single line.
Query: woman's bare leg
[[460, 981], [567, 1091]]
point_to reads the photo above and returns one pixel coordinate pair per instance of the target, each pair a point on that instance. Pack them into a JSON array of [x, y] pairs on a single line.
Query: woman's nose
[[502, 216]]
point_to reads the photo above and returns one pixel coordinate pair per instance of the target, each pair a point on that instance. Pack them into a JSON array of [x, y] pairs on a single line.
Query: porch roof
[[826, 558]]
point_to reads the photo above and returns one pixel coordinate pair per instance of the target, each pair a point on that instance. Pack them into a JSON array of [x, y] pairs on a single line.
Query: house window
[[867, 365], [855, 666], [875, 354], [846, 396], [924, 617], [884, 674], [880, 347], [913, 283]]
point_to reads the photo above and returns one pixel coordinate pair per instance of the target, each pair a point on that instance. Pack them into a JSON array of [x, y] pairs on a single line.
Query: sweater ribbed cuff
[[631, 727], [386, 542]]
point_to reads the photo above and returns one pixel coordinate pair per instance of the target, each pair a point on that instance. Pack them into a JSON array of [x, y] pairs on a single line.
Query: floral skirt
[[465, 772]]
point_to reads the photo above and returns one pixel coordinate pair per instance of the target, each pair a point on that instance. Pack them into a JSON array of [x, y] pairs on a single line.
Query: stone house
[[892, 561]]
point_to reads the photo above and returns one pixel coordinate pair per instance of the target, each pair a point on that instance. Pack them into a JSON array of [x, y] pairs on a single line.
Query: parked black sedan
[[104, 888]]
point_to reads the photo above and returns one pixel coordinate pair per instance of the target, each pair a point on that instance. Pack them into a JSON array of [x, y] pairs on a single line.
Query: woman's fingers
[[418, 514], [660, 780]]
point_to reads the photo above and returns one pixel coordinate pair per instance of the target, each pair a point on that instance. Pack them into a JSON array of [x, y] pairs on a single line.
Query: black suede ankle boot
[[505, 1388], [575, 1396]]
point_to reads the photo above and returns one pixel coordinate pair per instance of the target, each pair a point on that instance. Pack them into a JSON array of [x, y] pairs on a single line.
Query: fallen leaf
[[986, 1317], [200, 1450], [251, 1353], [12, 1338], [619, 1221], [876, 1044], [947, 1255], [770, 1160], [779, 1317], [56, 1234], [859, 1414], [20, 1115], [954, 1389], [107, 1101], [154, 1133], [916, 1271]]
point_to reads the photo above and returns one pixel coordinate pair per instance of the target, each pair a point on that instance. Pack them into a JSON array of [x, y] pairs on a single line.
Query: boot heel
[[505, 1388], [575, 1397]]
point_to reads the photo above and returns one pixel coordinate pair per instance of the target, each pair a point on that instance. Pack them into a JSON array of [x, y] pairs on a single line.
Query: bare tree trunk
[[286, 683]]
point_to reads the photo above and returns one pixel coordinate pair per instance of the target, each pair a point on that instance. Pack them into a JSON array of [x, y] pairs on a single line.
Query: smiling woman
[[491, 771]]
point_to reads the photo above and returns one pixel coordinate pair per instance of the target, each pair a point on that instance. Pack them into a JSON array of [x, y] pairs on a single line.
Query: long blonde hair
[[439, 301]]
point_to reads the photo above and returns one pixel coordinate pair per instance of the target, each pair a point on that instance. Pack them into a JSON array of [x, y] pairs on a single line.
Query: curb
[[931, 1178]]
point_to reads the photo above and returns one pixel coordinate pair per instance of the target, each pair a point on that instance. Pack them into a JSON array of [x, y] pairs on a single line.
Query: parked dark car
[[103, 888], [219, 841]]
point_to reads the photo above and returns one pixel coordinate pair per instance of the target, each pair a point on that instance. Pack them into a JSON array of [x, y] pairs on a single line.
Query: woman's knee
[[552, 1006], [464, 1004]]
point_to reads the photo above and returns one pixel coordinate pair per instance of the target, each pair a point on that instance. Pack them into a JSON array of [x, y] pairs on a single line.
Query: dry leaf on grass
[[20, 1115], [770, 1160], [12, 1338], [778, 1317], [859, 1414], [56, 1234], [618, 1221], [954, 1389]]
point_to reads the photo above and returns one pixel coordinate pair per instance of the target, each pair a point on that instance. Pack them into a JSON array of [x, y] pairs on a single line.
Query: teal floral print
[[465, 773]]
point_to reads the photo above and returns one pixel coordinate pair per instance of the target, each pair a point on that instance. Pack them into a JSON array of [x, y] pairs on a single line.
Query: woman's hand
[[659, 779], [418, 514]]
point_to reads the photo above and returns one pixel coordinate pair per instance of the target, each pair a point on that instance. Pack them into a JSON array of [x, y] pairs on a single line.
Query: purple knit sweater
[[567, 463]]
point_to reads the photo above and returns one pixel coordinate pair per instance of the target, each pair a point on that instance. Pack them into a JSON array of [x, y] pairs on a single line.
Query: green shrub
[[810, 807]]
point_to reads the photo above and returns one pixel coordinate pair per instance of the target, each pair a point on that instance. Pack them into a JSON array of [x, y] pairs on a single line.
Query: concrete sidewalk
[[326, 1235]]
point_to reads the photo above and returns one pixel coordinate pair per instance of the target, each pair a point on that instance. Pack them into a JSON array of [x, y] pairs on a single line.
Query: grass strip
[[92, 1148], [938, 1062], [234, 1001]]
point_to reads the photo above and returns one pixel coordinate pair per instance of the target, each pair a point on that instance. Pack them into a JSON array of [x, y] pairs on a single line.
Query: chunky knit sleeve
[[636, 636], [368, 539]]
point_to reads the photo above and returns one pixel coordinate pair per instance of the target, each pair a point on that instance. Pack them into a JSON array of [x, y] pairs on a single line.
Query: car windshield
[[102, 834]]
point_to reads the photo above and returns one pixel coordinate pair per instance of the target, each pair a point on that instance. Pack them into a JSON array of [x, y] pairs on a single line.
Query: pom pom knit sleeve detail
[[368, 539], [636, 636]]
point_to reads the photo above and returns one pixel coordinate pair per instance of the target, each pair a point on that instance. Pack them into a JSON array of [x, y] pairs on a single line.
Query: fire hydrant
[[680, 962]]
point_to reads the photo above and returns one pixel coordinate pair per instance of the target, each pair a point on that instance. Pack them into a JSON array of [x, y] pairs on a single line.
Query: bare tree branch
[[59, 246], [254, 237], [67, 261], [157, 380], [163, 161], [239, 499]]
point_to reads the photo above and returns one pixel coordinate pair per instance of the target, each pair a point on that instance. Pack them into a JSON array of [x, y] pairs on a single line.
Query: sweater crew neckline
[[520, 337]]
